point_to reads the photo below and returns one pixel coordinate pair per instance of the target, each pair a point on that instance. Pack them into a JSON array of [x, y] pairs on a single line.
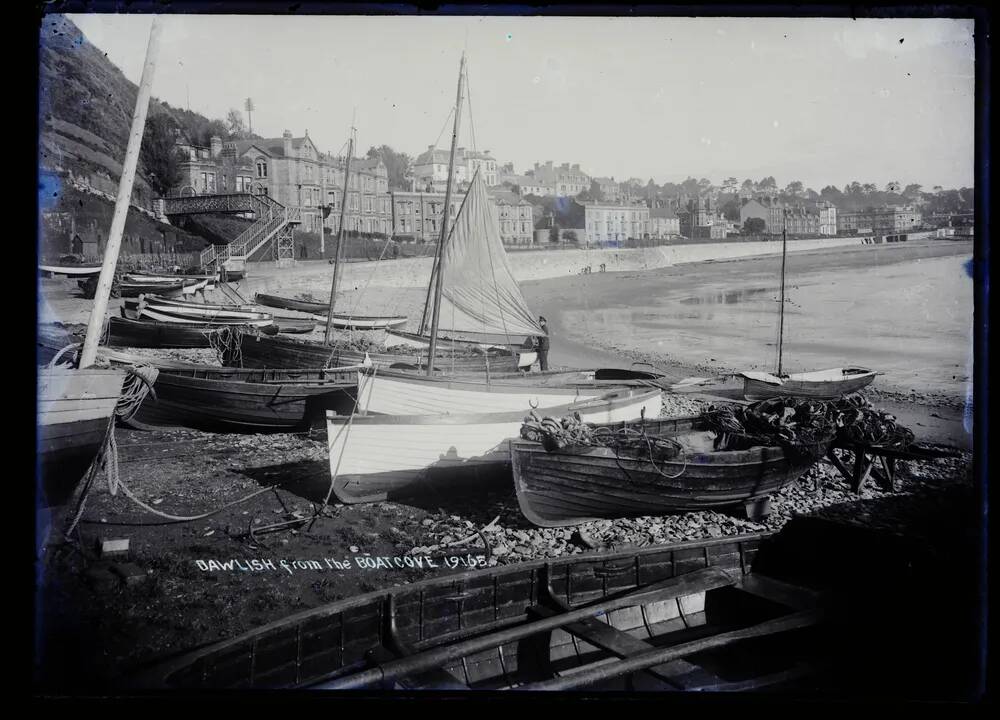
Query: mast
[[107, 276], [444, 222], [781, 311], [340, 242]]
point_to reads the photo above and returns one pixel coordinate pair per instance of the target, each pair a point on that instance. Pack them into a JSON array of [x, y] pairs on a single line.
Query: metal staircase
[[272, 221]]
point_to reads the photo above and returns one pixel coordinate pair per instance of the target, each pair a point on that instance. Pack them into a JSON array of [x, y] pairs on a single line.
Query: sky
[[823, 101]]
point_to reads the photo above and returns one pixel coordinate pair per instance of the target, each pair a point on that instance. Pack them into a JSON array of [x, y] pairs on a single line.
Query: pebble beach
[[596, 320]]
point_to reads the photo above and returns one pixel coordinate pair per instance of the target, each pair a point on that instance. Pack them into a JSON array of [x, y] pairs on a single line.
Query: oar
[[687, 584]]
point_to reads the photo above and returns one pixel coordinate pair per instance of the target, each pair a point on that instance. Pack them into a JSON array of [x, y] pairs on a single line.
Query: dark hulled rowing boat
[[233, 400], [275, 352], [151, 334], [659, 618], [340, 320], [575, 485]]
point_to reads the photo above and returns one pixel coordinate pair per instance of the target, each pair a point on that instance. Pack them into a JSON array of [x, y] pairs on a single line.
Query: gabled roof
[[506, 197], [433, 157]]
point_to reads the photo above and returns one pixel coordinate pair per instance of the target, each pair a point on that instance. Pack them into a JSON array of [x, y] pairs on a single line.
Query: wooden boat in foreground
[[341, 321], [819, 384], [577, 485], [382, 457], [73, 417], [661, 618], [396, 393], [275, 352], [232, 400], [135, 289]]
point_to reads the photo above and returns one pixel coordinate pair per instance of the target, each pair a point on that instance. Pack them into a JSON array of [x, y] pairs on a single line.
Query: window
[[261, 169]]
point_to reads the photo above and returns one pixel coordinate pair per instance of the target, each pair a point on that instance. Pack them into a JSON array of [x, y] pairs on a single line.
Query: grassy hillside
[[86, 105]]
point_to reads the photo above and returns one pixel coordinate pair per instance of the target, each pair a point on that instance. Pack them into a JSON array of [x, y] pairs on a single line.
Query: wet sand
[[905, 310]]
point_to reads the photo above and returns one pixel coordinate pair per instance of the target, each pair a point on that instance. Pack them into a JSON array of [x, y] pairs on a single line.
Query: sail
[[479, 293]]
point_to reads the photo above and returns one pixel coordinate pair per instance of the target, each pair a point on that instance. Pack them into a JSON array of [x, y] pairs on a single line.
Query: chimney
[[216, 142], [287, 143]]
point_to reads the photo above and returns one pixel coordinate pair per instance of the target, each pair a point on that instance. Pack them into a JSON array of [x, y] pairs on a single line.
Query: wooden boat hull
[[152, 334], [394, 393], [569, 487], [270, 352], [340, 320], [199, 311], [324, 647], [382, 457], [230, 400], [854, 379], [398, 338], [77, 271], [162, 315], [133, 289], [73, 416]]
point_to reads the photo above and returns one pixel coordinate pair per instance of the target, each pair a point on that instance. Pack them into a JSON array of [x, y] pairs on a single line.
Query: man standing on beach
[[543, 345]]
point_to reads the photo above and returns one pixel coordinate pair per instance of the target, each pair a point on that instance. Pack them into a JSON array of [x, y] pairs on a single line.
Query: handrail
[[271, 217]]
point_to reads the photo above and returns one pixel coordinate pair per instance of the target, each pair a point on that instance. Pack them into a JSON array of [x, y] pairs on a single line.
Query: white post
[[96, 324]]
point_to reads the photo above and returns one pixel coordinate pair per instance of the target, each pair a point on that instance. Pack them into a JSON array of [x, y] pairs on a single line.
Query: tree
[[912, 191], [893, 186], [754, 226], [554, 234], [234, 123], [747, 185], [159, 154], [397, 165], [731, 210], [794, 188], [768, 183], [868, 188]]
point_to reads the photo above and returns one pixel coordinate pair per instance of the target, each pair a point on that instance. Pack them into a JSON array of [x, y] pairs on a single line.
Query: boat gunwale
[[165, 670], [469, 385], [605, 402]]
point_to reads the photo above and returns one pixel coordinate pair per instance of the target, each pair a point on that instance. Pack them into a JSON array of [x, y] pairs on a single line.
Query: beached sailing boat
[[447, 433], [819, 384]]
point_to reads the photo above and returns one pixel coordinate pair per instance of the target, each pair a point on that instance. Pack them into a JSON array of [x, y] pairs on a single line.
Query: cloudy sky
[[824, 101]]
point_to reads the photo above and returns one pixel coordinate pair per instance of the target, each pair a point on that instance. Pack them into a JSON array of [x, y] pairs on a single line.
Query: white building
[[430, 169], [609, 222]]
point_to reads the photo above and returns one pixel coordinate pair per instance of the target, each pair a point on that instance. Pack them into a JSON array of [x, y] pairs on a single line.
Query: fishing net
[[627, 442], [227, 342], [804, 428]]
